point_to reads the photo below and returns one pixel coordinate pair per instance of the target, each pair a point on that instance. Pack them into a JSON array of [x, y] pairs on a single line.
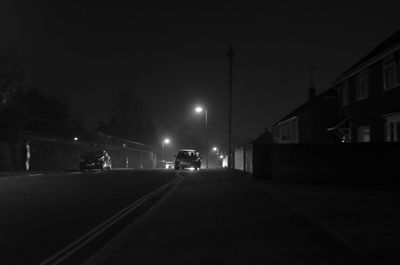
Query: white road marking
[[92, 234], [116, 241], [32, 175]]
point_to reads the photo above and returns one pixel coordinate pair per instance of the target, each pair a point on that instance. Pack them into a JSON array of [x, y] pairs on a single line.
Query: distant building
[[308, 122], [369, 96]]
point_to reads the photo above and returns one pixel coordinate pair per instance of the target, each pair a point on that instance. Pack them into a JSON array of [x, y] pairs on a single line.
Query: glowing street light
[[164, 142], [200, 109], [75, 138], [215, 149]]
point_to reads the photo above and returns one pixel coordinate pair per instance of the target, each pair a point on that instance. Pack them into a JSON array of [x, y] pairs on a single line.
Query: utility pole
[[229, 54], [208, 151]]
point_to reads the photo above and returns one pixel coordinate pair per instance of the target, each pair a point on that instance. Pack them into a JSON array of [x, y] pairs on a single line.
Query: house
[[369, 96], [308, 122]]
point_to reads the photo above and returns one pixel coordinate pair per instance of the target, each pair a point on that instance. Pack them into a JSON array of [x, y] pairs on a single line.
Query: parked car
[[189, 159], [98, 159]]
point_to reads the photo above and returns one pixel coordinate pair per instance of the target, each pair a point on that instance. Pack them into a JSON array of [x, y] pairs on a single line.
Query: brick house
[[308, 122], [369, 96]]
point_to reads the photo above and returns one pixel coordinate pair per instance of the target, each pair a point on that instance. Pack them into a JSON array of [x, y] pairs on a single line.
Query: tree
[[45, 107], [11, 77], [129, 119], [11, 85]]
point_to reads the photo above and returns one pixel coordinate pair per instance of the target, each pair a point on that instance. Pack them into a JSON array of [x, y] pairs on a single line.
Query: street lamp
[[163, 143], [200, 109]]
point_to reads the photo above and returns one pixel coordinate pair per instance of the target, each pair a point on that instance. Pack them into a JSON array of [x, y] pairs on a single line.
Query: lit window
[[362, 85], [389, 74], [363, 134]]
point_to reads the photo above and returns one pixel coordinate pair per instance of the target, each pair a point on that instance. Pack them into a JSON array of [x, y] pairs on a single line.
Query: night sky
[[172, 54]]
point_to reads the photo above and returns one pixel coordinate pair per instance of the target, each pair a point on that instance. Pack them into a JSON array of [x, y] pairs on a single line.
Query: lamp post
[[230, 54], [163, 143], [200, 110]]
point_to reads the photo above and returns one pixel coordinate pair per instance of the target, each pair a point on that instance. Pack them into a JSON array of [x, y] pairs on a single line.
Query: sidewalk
[[223, 217], [365, 219]]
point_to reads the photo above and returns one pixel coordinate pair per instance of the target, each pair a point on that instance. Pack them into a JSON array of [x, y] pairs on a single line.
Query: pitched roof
[[264, 139], [391, 42], [328, 93]]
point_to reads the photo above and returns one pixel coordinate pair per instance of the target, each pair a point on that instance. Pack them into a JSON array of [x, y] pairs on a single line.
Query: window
[[345, 93], [362, 85], [392, 127], [363, 134], [389, 74]]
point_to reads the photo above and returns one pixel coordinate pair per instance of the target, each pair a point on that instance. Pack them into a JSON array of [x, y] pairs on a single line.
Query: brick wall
[[50, 154]]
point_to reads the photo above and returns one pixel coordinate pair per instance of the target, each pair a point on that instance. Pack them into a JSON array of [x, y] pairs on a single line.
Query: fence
[[354, 164]]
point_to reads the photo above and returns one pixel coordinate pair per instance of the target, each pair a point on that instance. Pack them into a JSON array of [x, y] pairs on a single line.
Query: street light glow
[[198, 109], [75, 138], [215, 149], [167, 140]]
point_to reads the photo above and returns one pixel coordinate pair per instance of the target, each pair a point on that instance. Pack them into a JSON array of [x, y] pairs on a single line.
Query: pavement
[[224, 217], [366, 219]]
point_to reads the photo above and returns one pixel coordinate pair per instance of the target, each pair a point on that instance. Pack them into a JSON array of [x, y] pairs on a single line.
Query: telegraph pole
[[229, 54]]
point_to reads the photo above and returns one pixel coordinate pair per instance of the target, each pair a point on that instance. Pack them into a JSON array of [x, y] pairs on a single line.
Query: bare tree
[[129, 119], [11, 77]]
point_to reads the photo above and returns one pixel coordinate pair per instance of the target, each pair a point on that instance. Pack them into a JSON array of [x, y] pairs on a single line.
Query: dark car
[[95, 160], [189, 159]]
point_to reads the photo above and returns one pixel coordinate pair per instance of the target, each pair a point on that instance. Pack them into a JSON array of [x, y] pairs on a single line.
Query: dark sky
[[172, 54]]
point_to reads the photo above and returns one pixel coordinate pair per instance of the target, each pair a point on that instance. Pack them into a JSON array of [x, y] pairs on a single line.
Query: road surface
[[42, 214], [160, 217]]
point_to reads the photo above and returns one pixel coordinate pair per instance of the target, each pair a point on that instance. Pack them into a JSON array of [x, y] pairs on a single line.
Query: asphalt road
[[221, 217], [40, 215], [207, 217]]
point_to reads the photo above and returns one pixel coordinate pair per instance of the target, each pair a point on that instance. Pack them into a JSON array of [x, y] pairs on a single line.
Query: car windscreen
[[186, 154]]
